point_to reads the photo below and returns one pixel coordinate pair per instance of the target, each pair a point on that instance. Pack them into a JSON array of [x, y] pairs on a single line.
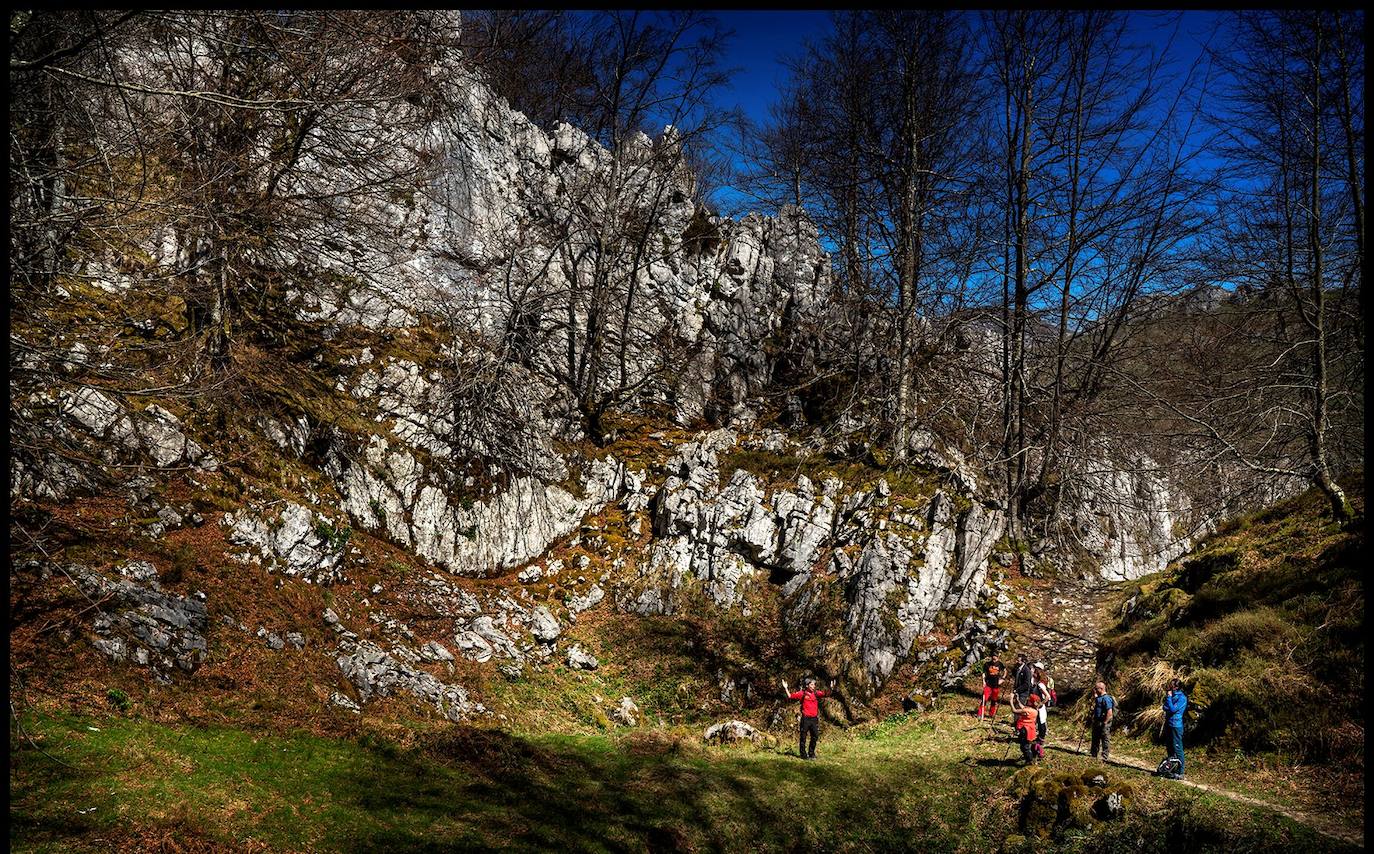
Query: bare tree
[[575, 274], [1099, 199], [873, 138], [1284, 395]]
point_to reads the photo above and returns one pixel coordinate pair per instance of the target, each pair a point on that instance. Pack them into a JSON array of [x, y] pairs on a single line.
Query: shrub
[[119, 699], [1262, 630]]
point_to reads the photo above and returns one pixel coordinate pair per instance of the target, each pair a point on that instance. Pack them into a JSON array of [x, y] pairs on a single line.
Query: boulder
[[376, 673], [141, 623], [544, 625], [580, 659], [435, 651], [343, 702], [625, 713], [730, 732], [587, 601], [298, 542]]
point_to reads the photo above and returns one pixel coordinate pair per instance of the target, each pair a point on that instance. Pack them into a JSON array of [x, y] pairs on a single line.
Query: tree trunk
[[1340, 506], [909, 223], [217, 341]]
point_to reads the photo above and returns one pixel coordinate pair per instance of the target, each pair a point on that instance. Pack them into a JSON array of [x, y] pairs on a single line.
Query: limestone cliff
[[385, 463]]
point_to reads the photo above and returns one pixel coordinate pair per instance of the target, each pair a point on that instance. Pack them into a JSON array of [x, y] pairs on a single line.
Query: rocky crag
[[367, 490]]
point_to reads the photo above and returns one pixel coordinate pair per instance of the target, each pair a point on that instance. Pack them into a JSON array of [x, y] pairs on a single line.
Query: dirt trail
[[1322, 824], [1059, 621]]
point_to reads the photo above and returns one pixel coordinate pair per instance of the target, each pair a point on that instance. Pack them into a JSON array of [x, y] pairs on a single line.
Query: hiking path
[[1058, 621]]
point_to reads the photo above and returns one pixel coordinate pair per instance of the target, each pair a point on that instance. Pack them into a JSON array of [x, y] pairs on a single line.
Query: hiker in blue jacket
[[1103, 710], [1175, 701]]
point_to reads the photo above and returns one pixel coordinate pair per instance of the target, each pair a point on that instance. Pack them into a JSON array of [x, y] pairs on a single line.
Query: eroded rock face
[[516, 196], [113, 433], [390, 491], [1128, 518], [724, 536], [376, 673], [140, 623], [156, 431], [898, 567], [298, 542]]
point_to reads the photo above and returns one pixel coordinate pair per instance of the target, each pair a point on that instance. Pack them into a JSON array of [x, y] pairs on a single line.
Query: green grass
[[911, 782]]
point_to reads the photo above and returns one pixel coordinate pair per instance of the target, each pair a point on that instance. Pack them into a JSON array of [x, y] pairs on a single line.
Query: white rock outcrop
[[376, 673], [299, 542], [899, 569], [390, 491]]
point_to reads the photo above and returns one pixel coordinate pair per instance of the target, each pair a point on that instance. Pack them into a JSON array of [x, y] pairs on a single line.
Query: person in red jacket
[[810, 715], [1027, 718]]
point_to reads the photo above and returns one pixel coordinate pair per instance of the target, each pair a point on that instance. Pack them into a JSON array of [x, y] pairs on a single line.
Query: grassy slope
[[928, 783], [1264, 622]]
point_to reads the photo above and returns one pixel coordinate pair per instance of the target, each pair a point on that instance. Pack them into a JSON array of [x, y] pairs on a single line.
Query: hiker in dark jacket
[[1175, 702], [810, 715], [1023, 678], [1103, 710]]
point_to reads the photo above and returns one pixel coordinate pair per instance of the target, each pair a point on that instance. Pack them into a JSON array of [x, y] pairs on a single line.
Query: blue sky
[[755, 51], [762, 38]]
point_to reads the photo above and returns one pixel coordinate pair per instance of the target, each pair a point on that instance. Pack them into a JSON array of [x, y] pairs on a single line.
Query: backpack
[[1169, 767]]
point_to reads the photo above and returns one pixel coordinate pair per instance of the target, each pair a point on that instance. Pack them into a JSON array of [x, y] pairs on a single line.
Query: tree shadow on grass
[[989, 762], [501, 791], [466, 788]]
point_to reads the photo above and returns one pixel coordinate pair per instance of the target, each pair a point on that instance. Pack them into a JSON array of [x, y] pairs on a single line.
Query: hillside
[[1264, 623], [407, 452]]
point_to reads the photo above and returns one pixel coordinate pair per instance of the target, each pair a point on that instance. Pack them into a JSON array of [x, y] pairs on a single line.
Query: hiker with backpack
[[1022, 678], [992, 686], [1103, 709], [1175, 703], [810, 714], [1026, 716], [1046, 694]]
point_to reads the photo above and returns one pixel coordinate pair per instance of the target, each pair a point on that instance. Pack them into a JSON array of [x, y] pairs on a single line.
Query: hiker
[[1175, 702], [810, 714], [1104, 707], [1026, 716], [1022, 677], [1045, 678], [1042, 689], [992, 686]]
